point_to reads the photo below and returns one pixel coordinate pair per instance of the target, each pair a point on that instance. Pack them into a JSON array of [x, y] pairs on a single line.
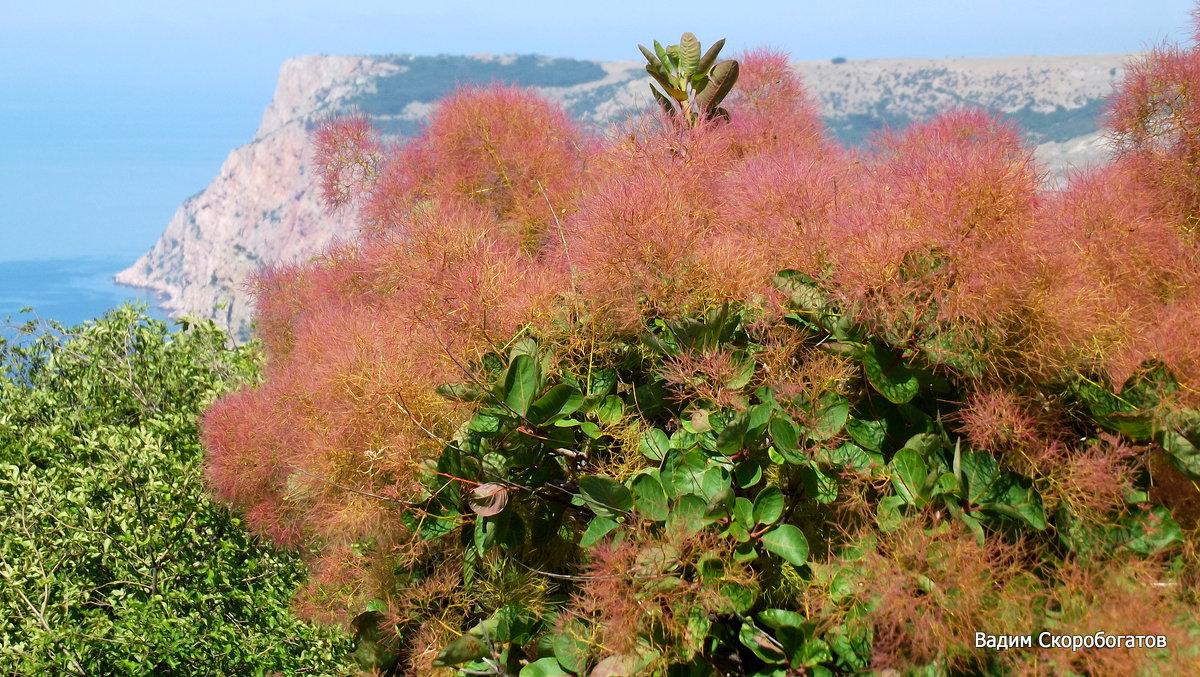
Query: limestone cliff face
[[263, 207]]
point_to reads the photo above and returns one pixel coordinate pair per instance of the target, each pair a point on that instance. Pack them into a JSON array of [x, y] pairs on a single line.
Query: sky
[[112, 113]]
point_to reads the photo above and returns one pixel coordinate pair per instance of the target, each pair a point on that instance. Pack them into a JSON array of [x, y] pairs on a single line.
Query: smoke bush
[[660, 399]]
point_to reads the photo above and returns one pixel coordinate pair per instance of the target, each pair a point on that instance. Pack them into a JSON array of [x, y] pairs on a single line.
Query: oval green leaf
[[768, 507], [788, 542], [465, 648], [655, 444], [544, 667], [831, 415], [604, 495], [561, 400], [520, 384], [649, 498], [908, 476], [786, 439], [888, 375]]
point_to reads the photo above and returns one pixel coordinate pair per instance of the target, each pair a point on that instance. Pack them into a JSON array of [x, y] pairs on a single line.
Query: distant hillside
[[262, 207]]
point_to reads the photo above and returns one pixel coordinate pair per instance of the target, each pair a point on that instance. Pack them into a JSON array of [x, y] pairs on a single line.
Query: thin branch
[[579, 579], [91, 532], [561, 236], [41, 618], [360, 492]]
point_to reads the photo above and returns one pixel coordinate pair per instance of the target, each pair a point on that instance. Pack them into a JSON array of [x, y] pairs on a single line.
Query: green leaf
[[465, 648], [979, 470], [373, 647], [741, 598], [653, 60], [768, 507], [1182, 454], [686, 473], [649, 498], [908, 476], [738, 533], [786, 439], [610, 410], [689, 54], [763, 645], [714, 480], [1015, 497], [604, 495], [521, 383], [711, 568], [710, 57], [570, 647], [803, 291], [722, 77], [1136, 425], [523, 346], [689, 515], [811, 653], [484, 535], [832, 413], [1117, 413], [925, 444], [748, 473], [1149, 531], [868, 433], [777, 619], [620, 665], [744, 374], [887, 513], [661, 52], [655, 444], [743, 512], [1149, 385], [561, 400], [484, 423], [673, 54], [597, 529], [731, 440], [462, 392], [719, 503], [945, 484], [850, 455], [650, 398], [888, 375], [544, 667], [788, 542], [821, 486], [601, 383]]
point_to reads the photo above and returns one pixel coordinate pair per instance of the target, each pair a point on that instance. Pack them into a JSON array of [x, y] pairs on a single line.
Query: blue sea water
[[68, 290]]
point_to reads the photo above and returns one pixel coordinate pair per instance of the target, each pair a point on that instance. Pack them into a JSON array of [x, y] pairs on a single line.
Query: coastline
[[70, 290]]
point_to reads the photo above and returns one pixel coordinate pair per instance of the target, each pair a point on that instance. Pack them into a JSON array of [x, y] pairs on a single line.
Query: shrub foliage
[[715, 395], [113, 559]]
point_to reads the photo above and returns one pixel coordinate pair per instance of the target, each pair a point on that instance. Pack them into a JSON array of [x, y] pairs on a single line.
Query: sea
[[68, 290]]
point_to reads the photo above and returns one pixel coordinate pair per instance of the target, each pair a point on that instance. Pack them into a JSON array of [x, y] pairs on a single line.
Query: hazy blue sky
[[112, 112]]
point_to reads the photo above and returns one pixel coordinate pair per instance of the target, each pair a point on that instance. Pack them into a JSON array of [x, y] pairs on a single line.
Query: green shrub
[[113, 559]]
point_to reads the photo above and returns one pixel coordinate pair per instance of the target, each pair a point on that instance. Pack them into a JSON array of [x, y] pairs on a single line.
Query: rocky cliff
[[263, 207]]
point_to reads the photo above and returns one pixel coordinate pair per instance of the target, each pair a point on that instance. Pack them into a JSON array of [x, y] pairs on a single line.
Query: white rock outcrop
[[262, 208]]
